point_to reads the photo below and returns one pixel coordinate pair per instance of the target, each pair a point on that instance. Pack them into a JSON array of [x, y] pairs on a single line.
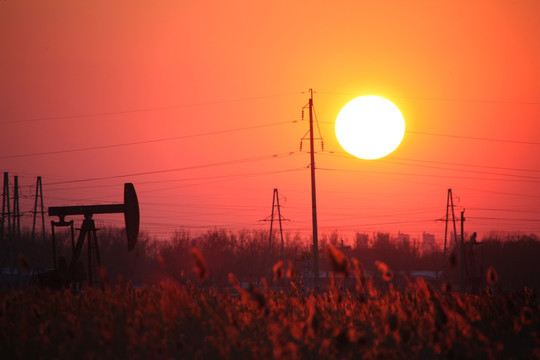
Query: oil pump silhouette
[[64, 273]]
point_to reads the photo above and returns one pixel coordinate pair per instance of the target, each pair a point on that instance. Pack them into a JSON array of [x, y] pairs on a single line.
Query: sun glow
[[370, 127]]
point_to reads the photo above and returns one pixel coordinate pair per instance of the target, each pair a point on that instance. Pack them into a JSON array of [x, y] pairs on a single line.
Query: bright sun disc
[[370, 127]]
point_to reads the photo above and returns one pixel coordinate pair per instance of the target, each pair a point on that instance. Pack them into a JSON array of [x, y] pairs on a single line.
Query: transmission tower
[[459, 247], [13, 217], [16, 231], [39, 194], [6, 212], [449, 205], [275, 205]]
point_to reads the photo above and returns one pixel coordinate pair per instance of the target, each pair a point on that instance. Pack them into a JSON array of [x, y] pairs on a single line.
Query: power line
[[449, 99], [349, 216], [501, 193], [360, 225], [150, 109], [522, 142], [532, 178], [240, 161], [228, 178], [468, 165], [474, 138], [505, 210], [503, 219], [231, 176], [145, 141], [485, 101], [366, 173]]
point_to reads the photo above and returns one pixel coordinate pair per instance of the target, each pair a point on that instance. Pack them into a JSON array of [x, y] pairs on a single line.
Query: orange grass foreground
[[184, 321]]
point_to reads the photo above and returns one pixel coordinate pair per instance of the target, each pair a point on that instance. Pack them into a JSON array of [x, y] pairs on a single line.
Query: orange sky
[[225, 82]]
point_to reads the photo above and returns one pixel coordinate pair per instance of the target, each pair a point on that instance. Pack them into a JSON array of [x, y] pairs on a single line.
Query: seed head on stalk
[[338, 261], [199, 264]]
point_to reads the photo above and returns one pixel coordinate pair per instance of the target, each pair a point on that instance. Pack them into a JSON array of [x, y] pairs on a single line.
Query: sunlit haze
[[199, 105]]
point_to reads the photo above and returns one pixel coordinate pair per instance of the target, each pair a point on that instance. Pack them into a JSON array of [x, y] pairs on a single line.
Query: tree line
[[250, 255]]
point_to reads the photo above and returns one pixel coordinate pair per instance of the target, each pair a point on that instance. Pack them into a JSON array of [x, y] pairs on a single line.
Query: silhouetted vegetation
[[251, 256], [225, 295], [185, 321]]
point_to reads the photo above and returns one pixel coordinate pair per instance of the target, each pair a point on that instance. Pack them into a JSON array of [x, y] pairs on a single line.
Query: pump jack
[[65, 274]]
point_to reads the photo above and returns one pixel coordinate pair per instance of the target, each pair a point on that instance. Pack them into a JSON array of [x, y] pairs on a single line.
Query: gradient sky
[[198, 103]]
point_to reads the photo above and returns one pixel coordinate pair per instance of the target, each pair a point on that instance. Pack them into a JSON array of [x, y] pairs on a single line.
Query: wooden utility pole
[[315, 250]]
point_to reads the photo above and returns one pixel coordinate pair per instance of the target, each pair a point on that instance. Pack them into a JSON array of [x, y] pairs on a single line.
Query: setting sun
[[370, 127]]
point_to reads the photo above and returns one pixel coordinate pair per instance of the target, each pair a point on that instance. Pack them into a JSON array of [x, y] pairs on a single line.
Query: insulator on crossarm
[[302, 113], [322, 145], [300, 145]]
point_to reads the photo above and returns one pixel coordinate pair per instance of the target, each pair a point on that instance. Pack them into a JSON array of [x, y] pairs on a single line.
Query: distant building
[[401, 237], [403, 241], [428, 243]]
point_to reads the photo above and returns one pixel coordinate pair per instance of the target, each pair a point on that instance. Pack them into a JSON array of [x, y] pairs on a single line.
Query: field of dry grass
[[187, 321]]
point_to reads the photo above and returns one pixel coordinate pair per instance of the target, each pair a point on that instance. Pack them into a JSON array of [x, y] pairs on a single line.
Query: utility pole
[[16, 210], [39, 193], [313, 196]]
